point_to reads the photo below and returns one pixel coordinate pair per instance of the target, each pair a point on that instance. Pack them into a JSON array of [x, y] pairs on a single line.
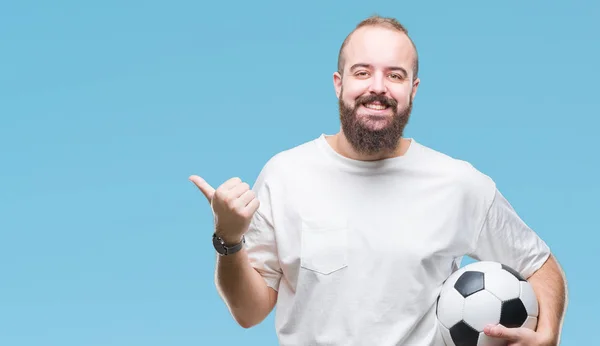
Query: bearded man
[[350, 236]]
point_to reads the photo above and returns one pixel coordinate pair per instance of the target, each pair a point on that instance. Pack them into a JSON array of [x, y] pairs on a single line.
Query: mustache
[[388, 102]]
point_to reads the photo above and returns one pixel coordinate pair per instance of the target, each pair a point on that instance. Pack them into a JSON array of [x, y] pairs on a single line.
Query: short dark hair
[[376, 20]]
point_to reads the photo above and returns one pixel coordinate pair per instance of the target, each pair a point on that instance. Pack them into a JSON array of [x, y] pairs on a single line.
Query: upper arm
[[261, 244], [506, 238], [272, 298]]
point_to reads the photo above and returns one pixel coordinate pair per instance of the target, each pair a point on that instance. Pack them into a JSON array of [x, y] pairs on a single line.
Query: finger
[[207, 190], [250, 208], [246, 198], [231, 183], [253, 206], [500, 331], [238, 190]]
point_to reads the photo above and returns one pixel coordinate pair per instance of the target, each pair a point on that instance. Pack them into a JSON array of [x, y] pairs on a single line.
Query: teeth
[[375, 106]]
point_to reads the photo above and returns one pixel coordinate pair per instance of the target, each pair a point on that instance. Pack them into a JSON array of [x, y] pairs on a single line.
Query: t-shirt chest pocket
[[324, 248]]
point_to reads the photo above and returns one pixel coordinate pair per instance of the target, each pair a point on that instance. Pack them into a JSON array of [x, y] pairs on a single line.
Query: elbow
[[247, 322], [246, 325], [248, 316]]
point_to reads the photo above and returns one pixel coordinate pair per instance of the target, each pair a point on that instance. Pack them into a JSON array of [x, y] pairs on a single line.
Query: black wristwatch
[[225, 250]]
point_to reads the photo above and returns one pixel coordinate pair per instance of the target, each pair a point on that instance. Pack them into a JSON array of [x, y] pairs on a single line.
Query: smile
[[375, 106]]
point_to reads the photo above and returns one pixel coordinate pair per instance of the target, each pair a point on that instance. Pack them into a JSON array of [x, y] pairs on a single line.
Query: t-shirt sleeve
[[261, 245], [506, 238]]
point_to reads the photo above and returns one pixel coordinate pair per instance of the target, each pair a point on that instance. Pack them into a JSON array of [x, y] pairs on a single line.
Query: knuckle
[[249, 213], [236, 207], [225, 198], [242, 213], [230, 202]]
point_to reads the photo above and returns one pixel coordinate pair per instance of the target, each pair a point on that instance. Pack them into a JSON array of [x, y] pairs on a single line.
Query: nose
[[378, 84]]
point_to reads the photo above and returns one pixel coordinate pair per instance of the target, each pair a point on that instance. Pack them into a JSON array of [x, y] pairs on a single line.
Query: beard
[[367, 140]]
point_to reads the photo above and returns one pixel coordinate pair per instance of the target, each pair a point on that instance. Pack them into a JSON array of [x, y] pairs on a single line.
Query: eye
[[396, 76], [361, 74]]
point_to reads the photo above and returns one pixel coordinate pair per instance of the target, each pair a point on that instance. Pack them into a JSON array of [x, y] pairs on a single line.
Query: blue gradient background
[[107, 107]]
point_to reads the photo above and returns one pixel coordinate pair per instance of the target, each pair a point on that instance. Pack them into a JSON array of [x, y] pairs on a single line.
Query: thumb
[[207, 190], [500, 331]]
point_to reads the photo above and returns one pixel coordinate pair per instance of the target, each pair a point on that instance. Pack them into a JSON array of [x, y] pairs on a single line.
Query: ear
[[337, 83], [416, 83]]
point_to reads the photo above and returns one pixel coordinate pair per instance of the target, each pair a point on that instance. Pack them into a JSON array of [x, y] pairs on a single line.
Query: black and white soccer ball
[[482, 293]]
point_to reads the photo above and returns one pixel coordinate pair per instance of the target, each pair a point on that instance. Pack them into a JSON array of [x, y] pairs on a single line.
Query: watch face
[[224, 250], [217, 243]]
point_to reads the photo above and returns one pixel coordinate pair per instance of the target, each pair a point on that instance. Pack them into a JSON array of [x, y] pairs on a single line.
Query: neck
[[342, 146]]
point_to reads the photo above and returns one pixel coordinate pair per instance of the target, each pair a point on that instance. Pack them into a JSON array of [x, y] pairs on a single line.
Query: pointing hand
[[233, 204]]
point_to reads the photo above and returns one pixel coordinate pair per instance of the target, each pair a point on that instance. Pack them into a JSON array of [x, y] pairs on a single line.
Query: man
[[351, 235]]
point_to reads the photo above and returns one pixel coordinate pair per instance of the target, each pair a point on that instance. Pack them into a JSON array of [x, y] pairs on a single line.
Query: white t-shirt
[[358, 251]]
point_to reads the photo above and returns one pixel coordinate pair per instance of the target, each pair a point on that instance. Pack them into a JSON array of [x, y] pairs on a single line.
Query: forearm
[[245, 292], [549, 284]]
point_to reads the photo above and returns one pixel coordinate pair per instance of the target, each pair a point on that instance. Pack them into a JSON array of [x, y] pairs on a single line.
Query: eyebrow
[[392, 68]]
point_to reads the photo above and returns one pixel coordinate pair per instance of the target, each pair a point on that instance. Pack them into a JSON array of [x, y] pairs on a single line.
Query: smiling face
[[376, 88]]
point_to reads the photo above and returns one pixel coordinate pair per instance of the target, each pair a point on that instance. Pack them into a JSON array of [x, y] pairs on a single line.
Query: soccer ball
[[482, 293]]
